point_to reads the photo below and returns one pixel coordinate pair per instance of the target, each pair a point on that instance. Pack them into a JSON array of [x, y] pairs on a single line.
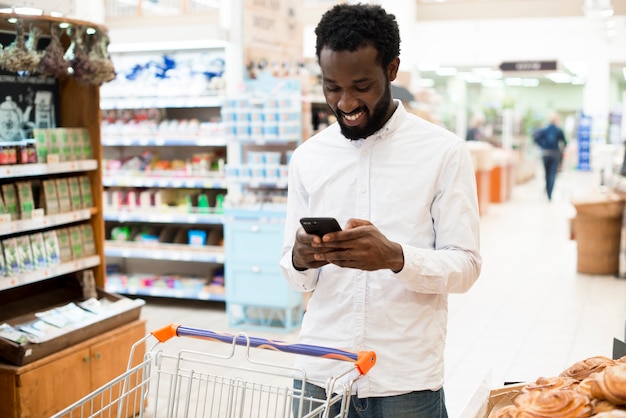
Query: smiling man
[[404, 192]]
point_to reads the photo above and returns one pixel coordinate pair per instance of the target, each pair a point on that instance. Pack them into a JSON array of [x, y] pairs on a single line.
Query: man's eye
[[332, 89], [362, 89]]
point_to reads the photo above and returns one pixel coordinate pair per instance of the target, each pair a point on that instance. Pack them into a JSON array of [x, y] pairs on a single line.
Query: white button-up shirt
[[415, 182]]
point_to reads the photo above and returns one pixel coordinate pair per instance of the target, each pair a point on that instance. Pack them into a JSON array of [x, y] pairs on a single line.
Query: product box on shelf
[[65, 245], [76, 140], [9, 193], [76, 242], [54, 144], [39, 250], [52, 248], [3, 266], [27, 304], [86, 141], [85, 191], [3, 208], [76, 200], [41, 144], [49, 198], [25, 199], [65, 145], [25, 254], [11, 255], [63, 194], [89, 245]]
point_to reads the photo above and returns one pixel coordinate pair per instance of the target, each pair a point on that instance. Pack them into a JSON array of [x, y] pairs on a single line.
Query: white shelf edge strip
[[49, 272], [25, 225], [26, 170], [155, 252]]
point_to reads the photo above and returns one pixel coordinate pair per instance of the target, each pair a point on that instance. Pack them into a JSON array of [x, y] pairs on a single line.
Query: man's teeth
[[353, 117]]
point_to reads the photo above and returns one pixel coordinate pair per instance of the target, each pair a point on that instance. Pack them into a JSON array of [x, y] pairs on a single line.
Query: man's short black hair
[[347, 27]]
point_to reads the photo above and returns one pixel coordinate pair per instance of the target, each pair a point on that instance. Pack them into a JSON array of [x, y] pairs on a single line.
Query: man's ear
[[392, 69]]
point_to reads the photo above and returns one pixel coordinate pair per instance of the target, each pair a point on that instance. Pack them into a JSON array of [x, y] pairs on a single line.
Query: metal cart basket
[[226, 382]]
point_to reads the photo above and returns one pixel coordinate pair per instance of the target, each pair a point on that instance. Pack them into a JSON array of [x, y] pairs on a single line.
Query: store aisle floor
[[530, 314]]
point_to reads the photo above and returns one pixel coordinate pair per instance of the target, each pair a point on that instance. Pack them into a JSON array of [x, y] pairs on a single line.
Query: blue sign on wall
[[584, 142]]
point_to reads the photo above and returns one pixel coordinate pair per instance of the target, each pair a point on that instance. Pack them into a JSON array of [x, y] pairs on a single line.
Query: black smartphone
[[320, 226]]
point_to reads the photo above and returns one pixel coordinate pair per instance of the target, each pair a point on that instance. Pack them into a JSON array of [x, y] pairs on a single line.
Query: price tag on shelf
[[53, 159], [37, 213], [5, 218]]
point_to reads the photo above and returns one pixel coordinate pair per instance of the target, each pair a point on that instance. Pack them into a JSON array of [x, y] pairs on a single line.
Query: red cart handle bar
[[363, 360]]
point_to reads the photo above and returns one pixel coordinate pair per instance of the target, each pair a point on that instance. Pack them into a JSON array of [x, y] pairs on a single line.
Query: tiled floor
[[530, 314]]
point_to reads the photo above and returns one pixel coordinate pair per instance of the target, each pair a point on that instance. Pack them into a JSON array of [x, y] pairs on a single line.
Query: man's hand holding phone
[[309, 247], [320, 226], [360, 245]]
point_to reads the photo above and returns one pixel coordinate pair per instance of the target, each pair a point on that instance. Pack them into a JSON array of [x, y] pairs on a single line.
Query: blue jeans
[[419, 404], [551, 162]]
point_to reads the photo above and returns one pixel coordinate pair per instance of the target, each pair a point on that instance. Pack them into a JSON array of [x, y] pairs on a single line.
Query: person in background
[[475, 132], [552, 142], [404, 191]]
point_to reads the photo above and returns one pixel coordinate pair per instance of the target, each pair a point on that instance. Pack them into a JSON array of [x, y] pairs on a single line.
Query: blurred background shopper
[[552, 142]]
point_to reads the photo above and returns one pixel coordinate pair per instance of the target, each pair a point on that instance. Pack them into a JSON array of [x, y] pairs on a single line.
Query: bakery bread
[[602, 405], [584, 368], [548, 383], [584, 386], [556, 403], [508, 411], [614, 413], [610, 384]]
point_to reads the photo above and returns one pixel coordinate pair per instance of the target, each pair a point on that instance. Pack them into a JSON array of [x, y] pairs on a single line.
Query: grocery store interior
[[174, 122]]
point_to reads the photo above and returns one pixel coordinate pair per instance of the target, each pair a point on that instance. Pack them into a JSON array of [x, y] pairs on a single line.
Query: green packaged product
[[52, 248]]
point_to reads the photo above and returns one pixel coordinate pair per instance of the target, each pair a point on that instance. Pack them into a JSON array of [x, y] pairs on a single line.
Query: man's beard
[[374, 122]]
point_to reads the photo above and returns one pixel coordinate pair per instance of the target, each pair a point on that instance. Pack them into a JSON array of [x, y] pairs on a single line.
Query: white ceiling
[[502, 9]]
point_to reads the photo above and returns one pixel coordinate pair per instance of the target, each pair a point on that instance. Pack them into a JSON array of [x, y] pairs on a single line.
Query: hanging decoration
[[86, 59], [21, 55], [102, 69], [81, 67], [53, 62]]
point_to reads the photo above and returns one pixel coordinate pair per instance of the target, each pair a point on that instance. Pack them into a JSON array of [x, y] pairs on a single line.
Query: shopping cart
[[225, 383]]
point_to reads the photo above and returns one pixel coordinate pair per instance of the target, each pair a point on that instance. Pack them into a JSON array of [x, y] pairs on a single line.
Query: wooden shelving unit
[[38, 388]]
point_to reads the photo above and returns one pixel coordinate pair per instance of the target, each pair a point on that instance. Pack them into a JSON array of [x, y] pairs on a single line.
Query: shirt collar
[[389, 127]]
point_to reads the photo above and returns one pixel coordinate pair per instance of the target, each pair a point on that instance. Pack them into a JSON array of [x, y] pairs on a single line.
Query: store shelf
[[160, 251], [161, 288], [49, 272], [262, 183], [31, 170], [25, 225], [159, 140], [134, 179], [107, 103], [163, 217]]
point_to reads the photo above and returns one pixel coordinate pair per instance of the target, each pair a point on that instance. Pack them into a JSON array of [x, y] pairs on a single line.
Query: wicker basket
[[609, 206], [598, 229], [598, 244]]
